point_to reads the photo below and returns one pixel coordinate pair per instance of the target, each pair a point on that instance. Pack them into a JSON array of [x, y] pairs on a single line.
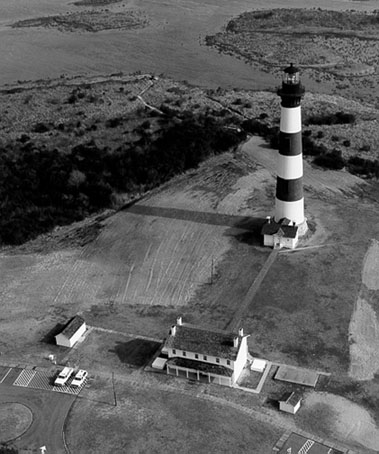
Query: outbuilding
[[258, 365], [280, 234], [72, 332], [290, 402]]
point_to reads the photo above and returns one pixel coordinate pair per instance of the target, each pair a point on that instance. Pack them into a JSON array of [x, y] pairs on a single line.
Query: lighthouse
[[289, 222], [289, 202]]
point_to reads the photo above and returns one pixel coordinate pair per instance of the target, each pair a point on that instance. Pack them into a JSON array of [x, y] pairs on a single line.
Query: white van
[[63, 376]]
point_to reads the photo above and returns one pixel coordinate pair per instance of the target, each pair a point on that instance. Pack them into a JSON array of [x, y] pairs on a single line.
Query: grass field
[[150, 419], [152, 261]]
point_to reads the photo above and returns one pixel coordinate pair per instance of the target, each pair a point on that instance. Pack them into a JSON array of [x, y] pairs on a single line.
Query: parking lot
[[35, 378]]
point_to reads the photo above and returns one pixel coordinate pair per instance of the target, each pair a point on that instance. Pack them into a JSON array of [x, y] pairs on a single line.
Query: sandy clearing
[[364, 347], [237, 202], [315, 179], [363, 328], [370, 272], [351, 422]]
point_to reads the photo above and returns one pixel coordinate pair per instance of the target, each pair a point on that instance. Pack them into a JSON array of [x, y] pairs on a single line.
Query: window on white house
[[218, 360], [196, 356], [204, 358], [184, 354], [228, 362], [173, 351]]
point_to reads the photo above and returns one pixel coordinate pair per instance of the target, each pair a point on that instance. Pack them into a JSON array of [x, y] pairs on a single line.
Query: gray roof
[[292, 398], [198, 340], [72, 326], [280, 228]]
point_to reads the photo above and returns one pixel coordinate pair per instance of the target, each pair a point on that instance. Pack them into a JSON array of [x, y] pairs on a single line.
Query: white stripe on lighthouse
[[290, 119], [291, 210], [289, 167]]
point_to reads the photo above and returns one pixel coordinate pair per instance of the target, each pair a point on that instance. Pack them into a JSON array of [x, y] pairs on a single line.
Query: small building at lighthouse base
[[284, 233]]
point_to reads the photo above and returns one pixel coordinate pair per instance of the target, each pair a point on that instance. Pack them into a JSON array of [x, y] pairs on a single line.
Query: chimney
[[173, 330], [235, 342], [179, 321], [240, 332]]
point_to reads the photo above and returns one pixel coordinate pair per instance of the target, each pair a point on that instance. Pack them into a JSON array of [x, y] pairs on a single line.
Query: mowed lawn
[[149, 420], [302, 312]]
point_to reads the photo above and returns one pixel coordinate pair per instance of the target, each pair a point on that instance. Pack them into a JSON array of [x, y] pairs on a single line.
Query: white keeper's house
[[210, 356]]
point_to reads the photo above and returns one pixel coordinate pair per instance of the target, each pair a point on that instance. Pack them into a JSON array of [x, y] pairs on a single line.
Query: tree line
[[41, 187]]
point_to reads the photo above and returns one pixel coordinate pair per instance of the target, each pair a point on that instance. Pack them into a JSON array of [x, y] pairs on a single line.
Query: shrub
[[40, 128], [330, 119], [346, 143], [332, 160], [113, 122]]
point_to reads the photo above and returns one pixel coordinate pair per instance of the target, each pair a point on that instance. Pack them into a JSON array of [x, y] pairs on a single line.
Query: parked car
[[80, 378], [63, 376]]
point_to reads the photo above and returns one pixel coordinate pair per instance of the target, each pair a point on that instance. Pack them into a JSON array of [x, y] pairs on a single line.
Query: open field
[[151, 419], [152, 261]]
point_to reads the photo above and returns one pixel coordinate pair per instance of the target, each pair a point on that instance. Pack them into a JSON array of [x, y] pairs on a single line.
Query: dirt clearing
[[350, 421]]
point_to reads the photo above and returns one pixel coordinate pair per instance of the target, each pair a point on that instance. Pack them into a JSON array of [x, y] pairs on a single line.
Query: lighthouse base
[[302, 228]]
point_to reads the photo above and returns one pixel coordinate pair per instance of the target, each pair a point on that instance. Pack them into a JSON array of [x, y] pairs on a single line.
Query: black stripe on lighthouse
[[290, 143], [289, 190]]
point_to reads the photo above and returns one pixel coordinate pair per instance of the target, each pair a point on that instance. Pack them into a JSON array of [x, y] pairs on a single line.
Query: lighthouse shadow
[[247, 230]]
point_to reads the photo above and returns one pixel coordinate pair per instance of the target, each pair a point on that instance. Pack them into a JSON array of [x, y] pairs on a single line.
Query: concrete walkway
[[258, 389]]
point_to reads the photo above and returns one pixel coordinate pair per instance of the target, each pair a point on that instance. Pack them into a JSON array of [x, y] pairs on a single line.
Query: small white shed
[[159, 363], [72, 332], [258, 365], [290, 403]]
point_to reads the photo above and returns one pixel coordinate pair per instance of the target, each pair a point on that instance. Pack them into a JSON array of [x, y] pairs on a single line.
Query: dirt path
[[363, 329], [236, 320]]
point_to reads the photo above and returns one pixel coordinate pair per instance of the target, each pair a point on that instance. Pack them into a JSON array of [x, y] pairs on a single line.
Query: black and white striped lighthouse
[[289, 202]]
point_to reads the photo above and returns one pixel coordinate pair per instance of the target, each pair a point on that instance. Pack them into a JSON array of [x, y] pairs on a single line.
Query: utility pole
[[114, 390]]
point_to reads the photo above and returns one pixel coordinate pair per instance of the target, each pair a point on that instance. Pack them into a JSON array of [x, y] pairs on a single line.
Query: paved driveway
[[49, 413]]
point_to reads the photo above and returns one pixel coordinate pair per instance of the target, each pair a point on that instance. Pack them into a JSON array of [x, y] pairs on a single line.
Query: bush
[[332, 160], [346, 143], [320, 134], [311, 149], [330, 119], [113, 122], [362, 166], [40, 128]]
